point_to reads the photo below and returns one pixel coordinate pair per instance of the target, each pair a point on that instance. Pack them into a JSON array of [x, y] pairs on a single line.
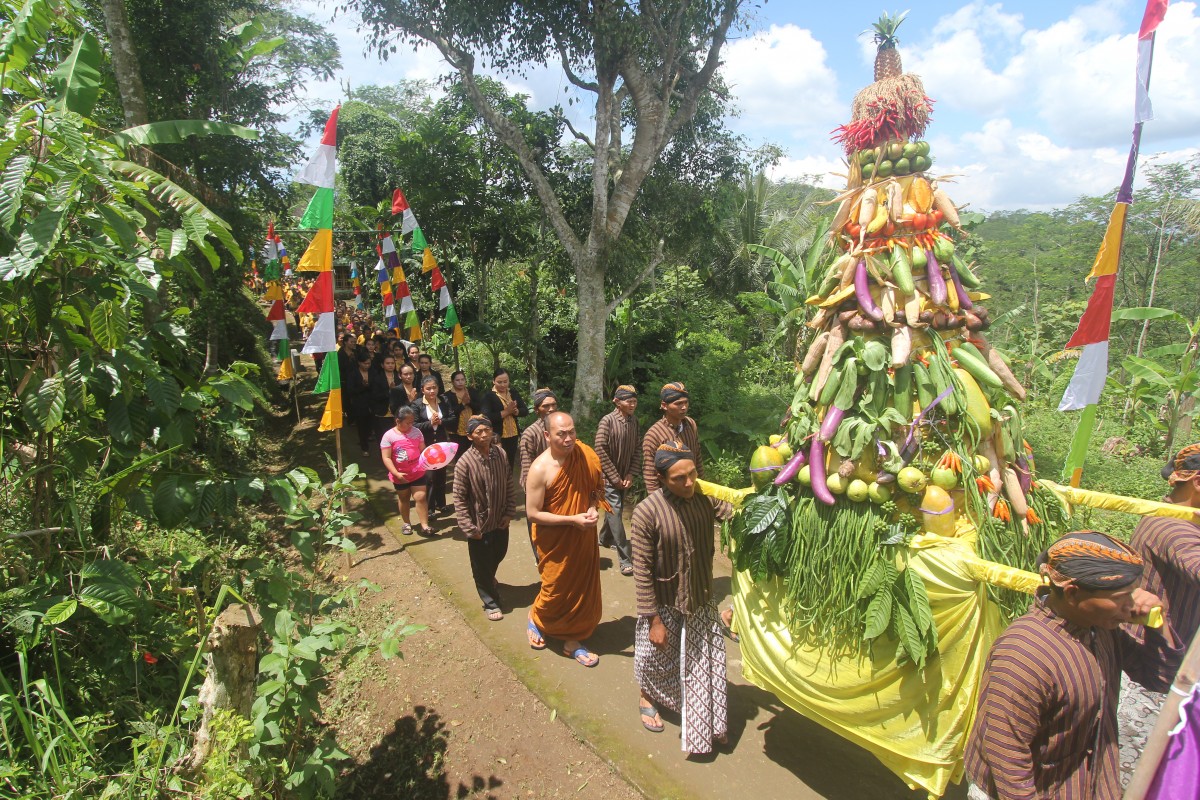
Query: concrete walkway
[[776, 752]]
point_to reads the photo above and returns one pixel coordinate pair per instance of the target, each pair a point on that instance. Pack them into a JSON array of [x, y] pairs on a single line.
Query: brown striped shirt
[[1046, 727], [673, 547], [532, 444], [617, 446], [484, 494], [1171, 549], [662, 431]]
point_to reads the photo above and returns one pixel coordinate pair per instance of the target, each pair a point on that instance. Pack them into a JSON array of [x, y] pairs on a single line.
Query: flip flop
[[649, 711], [581, 654], [495, 614], [532, 631], [626, 571], [726, 629]]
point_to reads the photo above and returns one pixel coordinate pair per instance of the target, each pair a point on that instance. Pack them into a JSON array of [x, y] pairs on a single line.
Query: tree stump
[[232, 668]]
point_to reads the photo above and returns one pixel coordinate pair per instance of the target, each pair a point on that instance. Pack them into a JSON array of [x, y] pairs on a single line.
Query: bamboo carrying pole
[[1156, 745]]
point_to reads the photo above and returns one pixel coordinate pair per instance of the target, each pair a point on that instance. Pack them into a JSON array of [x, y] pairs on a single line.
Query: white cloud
[[821, 170], [1075, 76], [1003, 166], [782, 84]]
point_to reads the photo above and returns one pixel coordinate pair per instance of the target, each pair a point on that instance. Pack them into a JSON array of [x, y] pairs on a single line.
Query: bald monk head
[[560, 433]]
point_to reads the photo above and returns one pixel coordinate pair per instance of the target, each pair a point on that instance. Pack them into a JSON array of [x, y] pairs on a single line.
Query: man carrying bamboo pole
[[1171, 549], [1047, 719]]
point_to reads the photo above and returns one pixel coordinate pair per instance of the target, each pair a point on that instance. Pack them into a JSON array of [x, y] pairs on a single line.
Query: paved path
[[776, 752]]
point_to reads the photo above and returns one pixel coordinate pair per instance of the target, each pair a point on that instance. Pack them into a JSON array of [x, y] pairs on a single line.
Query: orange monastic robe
[[568, 607]]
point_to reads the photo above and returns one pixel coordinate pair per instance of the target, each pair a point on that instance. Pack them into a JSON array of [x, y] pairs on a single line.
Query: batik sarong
[[688, 675]]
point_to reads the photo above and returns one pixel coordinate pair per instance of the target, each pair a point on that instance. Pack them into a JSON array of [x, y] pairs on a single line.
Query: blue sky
[[1034, 99]]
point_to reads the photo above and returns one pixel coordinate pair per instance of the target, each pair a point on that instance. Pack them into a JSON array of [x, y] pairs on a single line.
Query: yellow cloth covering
[[1116, 502], [916, 723]]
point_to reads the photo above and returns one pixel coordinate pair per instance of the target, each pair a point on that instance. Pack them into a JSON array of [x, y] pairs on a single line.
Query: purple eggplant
[[1024, 475], [910, 449], [816, 472], [829, 426], [862, 292], [964, 302], [791, 468], [937, 284]]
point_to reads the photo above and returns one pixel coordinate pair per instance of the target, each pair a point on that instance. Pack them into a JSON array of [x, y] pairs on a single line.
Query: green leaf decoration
[[109, 324], [50, 402], [906, 630], [77, 79], [918, 603], [178, 130], [125, 234], [1143, 313], [879, 613]]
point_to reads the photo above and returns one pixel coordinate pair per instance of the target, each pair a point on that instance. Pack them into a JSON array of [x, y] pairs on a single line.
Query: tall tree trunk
[[125, 63], [589, 368], [531, 343]]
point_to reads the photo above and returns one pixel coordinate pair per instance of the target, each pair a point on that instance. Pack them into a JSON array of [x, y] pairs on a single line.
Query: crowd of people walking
[[1047, 722]]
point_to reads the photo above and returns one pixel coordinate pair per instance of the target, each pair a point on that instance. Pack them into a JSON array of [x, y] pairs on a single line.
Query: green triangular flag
[[285, 351], [411, 320], [451, 317], [330, 378], [418, 240]]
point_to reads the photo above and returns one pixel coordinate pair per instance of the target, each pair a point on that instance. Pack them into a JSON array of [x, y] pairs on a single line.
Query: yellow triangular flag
[[427, 263], [285, 370], [458, 339], [319, 255], [332, 418], [414, 333], [274, 292]]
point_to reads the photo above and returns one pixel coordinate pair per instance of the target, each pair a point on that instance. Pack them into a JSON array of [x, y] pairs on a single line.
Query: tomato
[[853, 229], [920, 221], [889, 228], [937, 218]]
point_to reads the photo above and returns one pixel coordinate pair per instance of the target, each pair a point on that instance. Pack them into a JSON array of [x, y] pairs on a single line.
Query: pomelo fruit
[[857, 490], [764, 456]]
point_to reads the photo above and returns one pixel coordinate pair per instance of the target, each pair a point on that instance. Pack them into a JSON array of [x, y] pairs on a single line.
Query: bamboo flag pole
[[1168, 717]]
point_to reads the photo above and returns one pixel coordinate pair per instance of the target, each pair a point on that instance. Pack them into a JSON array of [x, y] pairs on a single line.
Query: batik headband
[[673, 391], [669, 453], [1186, 465], [476, 421], [541, 395], [1092, 560], [625, 392]]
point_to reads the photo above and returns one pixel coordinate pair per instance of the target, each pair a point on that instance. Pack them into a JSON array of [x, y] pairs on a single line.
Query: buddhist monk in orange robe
[[564, 489]]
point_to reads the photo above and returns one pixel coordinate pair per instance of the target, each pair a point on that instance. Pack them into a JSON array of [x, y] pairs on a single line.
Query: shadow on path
[[408, 764]]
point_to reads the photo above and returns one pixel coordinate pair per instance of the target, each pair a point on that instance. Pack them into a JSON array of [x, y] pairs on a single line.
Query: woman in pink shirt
[[401, 448]]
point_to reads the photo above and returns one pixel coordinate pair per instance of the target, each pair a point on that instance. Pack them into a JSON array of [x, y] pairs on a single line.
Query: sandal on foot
[[647, 710], [536, 640], [627, 570], [727, 629], [581, 655], [407, 529], [428, 533], [494, 614]]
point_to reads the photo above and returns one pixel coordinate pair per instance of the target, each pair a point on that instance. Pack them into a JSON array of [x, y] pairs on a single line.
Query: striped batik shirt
[[531, 445], [1171, 550], [673, 547], [617, 446], [484, 495], [663, 431], [1046, 726]]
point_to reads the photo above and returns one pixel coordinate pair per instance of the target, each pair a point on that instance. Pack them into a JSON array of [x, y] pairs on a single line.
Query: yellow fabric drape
[[1115, 502], [914, 722]]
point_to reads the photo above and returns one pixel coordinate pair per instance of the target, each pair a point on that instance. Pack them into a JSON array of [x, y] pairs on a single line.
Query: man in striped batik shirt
[[1046, 725], [1171, 549], [679, 652]]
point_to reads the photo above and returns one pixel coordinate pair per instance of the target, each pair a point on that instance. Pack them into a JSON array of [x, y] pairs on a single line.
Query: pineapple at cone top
[[887, 57]]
